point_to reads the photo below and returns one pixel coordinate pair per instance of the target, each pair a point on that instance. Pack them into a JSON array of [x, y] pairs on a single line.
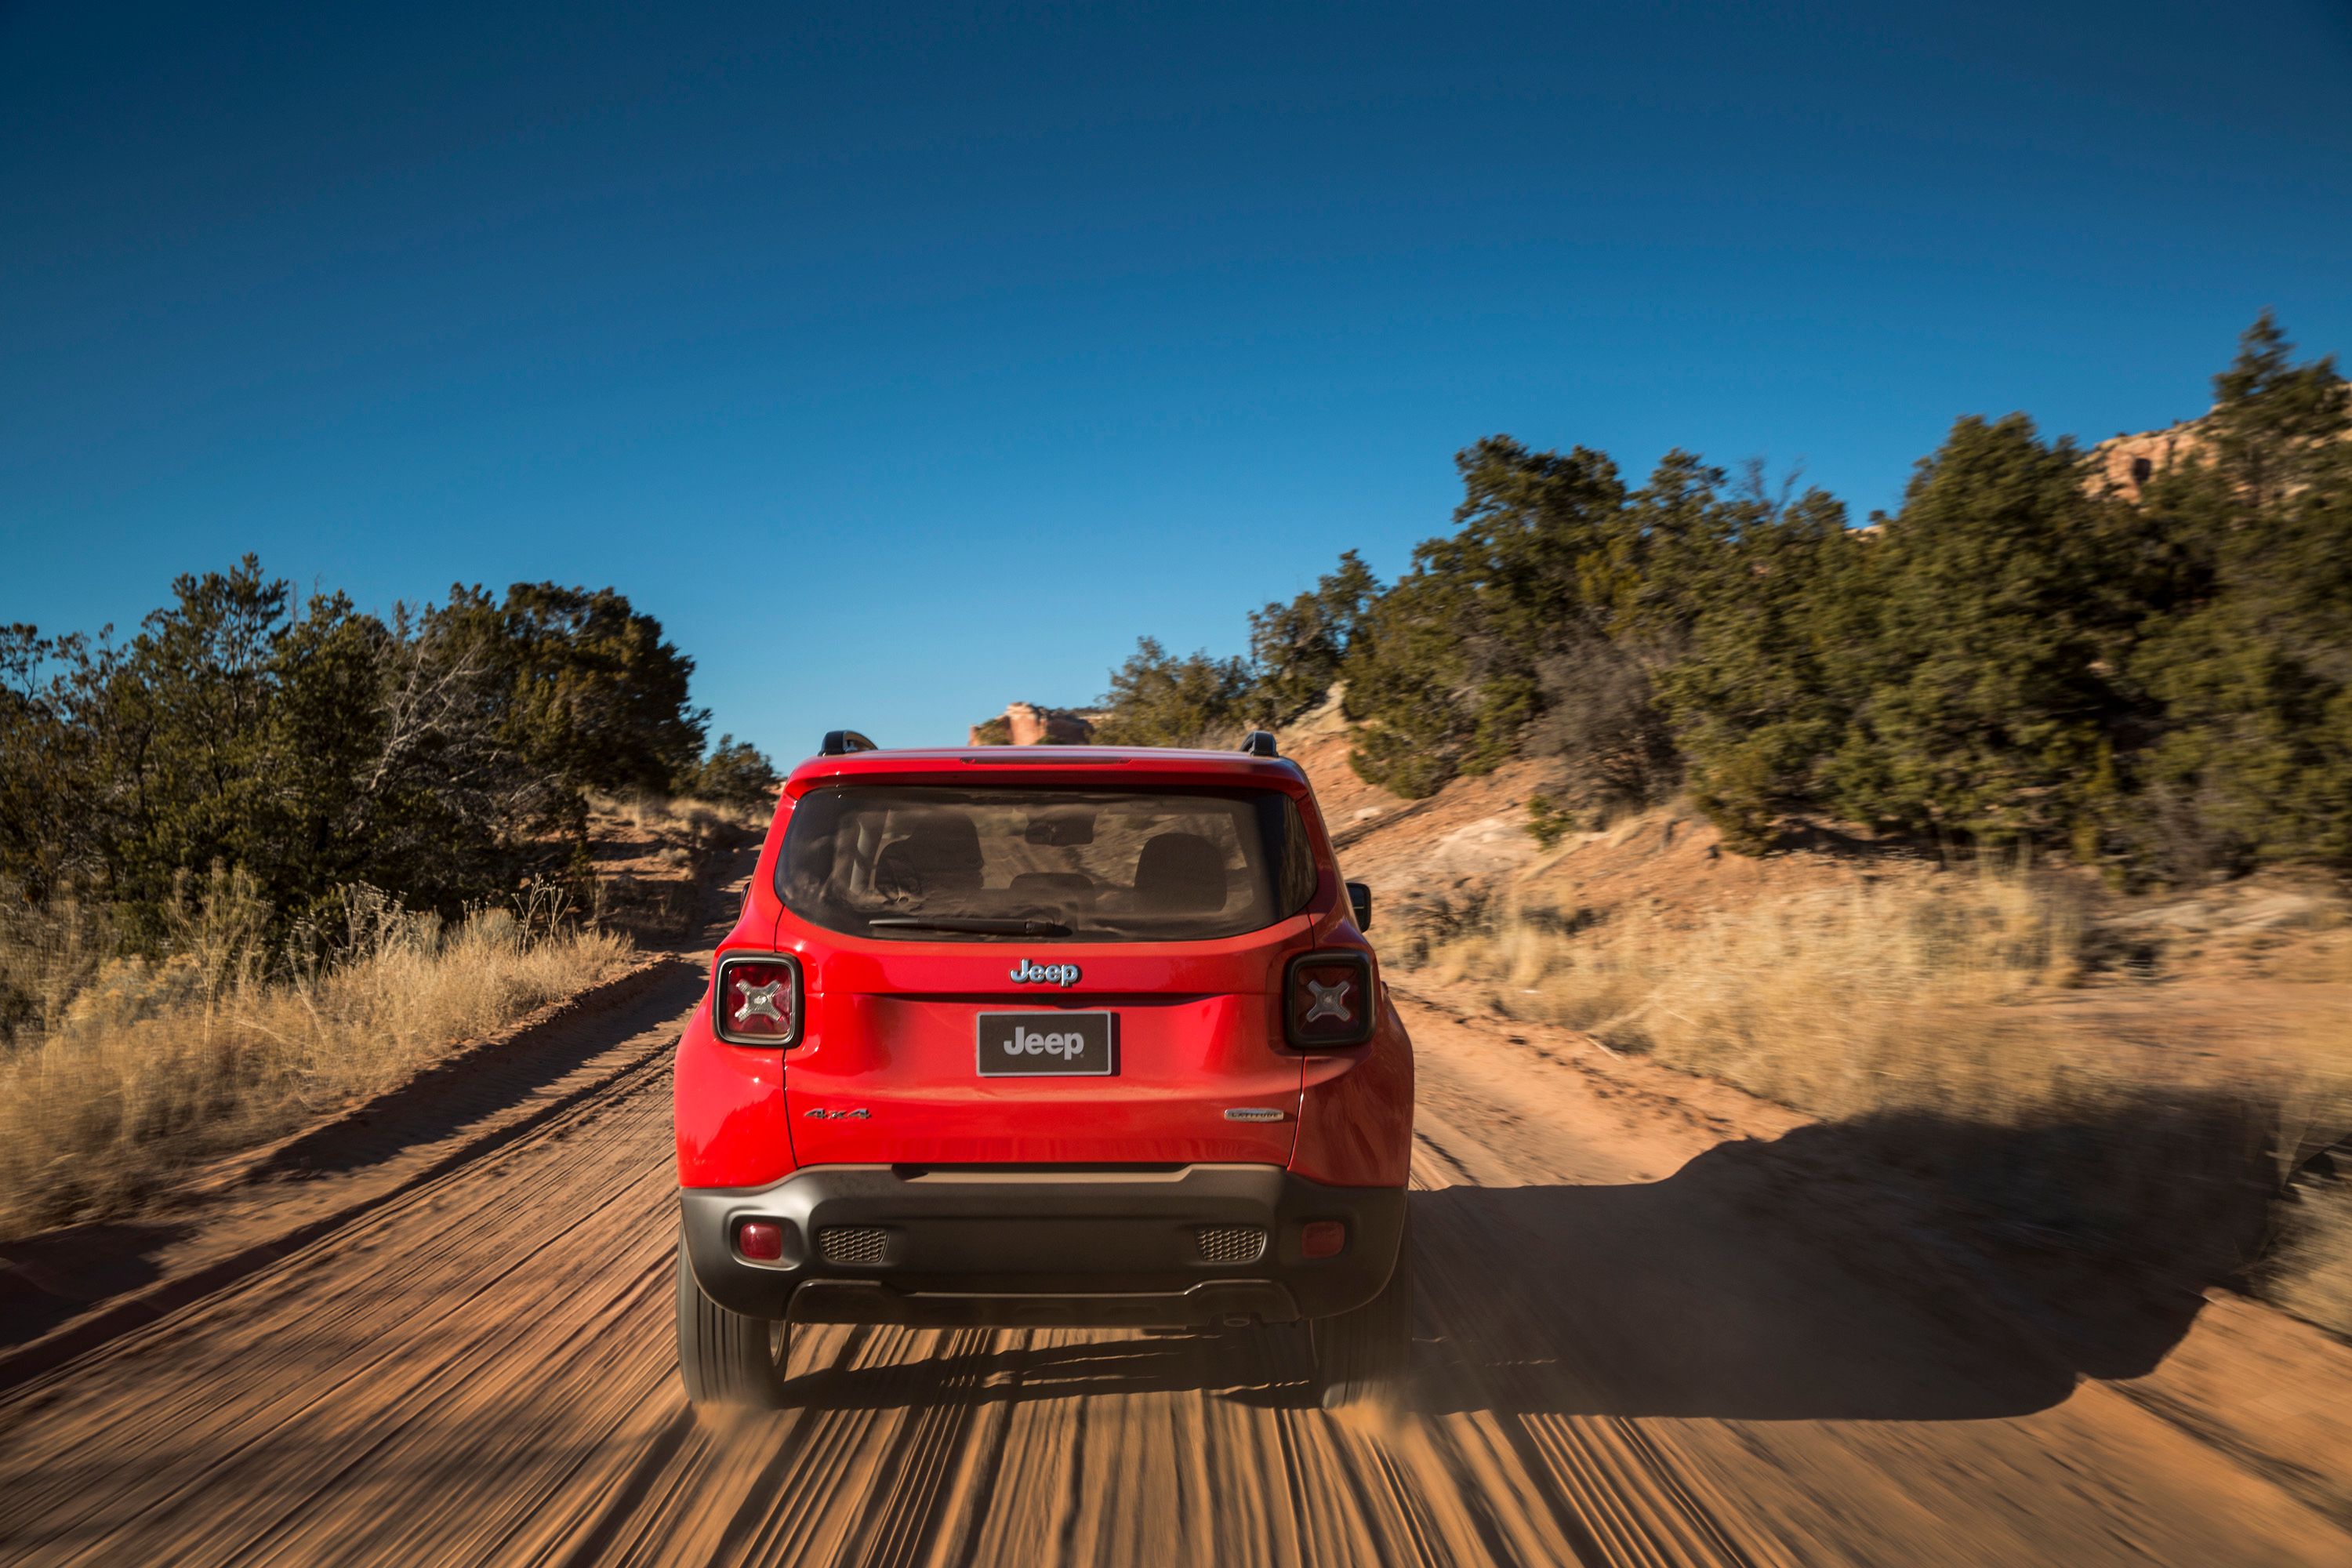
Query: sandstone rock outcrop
[[2125, 464], [1028, 724]]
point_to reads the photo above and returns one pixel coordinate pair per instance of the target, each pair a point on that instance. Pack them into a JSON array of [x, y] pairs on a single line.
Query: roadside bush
[[1297, 650], [1158, 700], [1548, 824], [736, 773], [1601, 721]]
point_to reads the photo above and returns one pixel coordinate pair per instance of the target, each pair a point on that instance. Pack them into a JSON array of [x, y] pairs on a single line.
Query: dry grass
[[677, 816], [1914, 1012], [2310, 1271], [1882, 998], [139, 1068], [48, 953], [2310, 1268]]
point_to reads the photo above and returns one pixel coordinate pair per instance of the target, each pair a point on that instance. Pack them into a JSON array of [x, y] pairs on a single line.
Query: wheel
[[1364, 1358], [725, 1357]]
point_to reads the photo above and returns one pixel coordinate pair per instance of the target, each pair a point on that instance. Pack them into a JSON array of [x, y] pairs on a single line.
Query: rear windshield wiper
[[972, 927]]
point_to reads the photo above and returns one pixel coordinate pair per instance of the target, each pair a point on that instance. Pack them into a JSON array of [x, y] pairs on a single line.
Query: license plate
[[1047, 1045]]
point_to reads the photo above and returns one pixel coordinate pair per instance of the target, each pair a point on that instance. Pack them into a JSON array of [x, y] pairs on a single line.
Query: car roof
[[1127, 766]]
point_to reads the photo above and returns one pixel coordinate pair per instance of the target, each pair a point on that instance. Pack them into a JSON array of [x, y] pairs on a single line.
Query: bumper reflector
[[759, 1239], [1323, 1237]]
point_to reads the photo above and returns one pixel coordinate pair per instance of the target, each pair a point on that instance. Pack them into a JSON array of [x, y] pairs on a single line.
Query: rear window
[[946, 864]]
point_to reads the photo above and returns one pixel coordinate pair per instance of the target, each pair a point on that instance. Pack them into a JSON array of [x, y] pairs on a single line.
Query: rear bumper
[[1115, 1246]]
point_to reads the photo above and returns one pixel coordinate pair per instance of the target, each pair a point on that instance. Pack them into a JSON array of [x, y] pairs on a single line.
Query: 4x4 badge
[[1028, 972]]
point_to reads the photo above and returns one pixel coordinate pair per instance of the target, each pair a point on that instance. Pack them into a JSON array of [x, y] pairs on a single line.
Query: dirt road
[[1634, 1346]]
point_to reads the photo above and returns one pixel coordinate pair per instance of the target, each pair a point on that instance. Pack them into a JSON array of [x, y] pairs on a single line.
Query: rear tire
[[725, 1357], [1364, 1358]]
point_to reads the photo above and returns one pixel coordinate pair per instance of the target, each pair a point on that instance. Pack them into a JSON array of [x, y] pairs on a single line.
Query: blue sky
[[909, 359]]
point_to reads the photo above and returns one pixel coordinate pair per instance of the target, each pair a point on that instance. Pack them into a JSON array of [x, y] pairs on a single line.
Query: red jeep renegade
[[1044, 1036]]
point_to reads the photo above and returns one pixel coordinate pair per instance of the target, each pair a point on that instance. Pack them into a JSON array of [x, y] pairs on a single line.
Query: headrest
[[1179, 873]]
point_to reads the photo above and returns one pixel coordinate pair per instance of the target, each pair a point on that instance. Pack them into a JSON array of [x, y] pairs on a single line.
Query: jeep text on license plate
[[1047, 1045]]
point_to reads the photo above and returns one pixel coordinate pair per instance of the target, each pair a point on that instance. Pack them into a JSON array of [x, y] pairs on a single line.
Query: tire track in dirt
[[483, 1370]]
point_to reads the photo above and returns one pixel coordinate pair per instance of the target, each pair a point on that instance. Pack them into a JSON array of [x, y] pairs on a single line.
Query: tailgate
[[892, 1079]]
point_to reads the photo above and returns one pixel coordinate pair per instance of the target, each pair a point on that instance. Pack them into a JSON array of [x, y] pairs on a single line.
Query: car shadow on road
[[1910, 1268], [48, 1278]]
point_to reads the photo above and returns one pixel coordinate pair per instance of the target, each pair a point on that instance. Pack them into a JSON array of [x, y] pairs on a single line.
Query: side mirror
[[1359, 898]]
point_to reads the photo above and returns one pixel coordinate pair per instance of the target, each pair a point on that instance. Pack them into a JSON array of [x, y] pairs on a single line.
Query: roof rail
[[841, 743], [1259, 744]]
